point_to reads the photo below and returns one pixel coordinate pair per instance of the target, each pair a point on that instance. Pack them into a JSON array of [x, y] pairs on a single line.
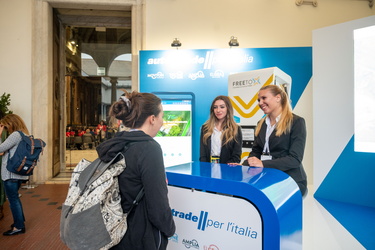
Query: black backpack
[[26, 156]]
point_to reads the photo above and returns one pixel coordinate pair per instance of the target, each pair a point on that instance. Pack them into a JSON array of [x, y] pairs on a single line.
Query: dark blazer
[[230, 152], [287, 151]]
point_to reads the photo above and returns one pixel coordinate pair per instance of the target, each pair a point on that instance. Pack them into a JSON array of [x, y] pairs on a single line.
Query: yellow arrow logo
[[245, 105]]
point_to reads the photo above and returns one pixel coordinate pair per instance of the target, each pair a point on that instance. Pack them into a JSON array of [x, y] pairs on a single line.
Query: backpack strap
[[97, 167], [137, 199], [31, 140], [94, 170]]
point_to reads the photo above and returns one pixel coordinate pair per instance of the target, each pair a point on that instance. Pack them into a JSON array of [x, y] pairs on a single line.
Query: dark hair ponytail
[[133, 108]]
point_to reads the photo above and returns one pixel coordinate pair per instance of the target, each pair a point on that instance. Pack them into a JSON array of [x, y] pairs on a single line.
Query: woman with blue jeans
[[12, 182]]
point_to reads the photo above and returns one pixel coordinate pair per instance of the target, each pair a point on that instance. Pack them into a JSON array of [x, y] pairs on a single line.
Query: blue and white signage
[[205, 74], [204, 219]]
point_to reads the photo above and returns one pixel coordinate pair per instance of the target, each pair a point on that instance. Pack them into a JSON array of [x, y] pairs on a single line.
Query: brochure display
[[217, 206]]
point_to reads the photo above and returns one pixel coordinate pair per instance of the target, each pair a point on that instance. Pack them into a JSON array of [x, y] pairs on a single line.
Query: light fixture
[[176, 43], [370, 3], [73, 38], [233, 41], [301, 2], [74, 42]]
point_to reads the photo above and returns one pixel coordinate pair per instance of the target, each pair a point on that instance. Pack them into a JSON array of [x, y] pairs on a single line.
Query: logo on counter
[[211, 247], [174, 238], [204, 222], [190, 243]]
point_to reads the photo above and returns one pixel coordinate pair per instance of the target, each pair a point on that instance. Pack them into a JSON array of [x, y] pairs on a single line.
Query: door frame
[[42, 61]]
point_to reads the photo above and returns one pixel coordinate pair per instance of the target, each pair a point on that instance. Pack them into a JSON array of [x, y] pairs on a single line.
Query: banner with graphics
[[203, 223], [205, 73]]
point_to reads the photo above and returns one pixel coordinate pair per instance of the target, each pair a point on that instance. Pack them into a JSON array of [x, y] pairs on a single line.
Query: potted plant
[[4, 103]]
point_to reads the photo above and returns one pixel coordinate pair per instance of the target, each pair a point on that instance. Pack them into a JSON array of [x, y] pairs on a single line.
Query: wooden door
[[56, 126]]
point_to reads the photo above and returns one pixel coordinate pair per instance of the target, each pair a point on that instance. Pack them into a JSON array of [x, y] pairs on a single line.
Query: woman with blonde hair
[[221, 137], [280, 136], [12, 182]]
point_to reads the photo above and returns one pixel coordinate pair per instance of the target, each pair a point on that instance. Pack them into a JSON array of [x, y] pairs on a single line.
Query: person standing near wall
[[280, 137], [221, 137], [3, 135], [151, 222], [12, 182]]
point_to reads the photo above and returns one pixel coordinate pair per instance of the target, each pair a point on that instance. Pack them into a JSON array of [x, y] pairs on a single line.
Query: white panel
[[333, 99], [364, 98], [304, 108]]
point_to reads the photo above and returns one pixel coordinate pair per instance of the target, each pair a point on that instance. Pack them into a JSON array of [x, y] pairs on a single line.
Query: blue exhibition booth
[[219, 206]]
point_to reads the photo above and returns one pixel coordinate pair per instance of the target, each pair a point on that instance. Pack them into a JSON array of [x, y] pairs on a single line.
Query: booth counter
[[218, 206]]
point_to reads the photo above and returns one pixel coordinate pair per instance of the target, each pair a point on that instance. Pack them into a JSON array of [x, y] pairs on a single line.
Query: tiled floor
[[42, 207]]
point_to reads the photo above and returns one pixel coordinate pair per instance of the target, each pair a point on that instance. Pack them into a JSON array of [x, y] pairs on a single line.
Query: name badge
[[215, 159], [265, 157]]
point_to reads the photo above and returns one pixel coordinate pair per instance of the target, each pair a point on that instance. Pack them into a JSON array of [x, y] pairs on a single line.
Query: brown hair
[[230, 128], [286, 118], [13, 122], [134, 108]]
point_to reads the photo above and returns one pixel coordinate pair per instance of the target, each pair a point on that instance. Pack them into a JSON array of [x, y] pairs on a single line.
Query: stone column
[[113, 81]]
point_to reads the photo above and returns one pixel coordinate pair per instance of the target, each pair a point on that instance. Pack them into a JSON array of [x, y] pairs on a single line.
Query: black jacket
[[230, 152], [151, 222], [287, 151]]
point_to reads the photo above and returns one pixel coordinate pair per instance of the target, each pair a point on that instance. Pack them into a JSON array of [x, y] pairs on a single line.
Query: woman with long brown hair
[[221, 137], [12, 182]]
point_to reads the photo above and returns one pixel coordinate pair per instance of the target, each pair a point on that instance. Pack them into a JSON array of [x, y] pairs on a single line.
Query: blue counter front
[[217, 206]]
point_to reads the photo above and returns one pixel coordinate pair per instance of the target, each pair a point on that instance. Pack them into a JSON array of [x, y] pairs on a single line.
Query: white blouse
[[216, 142]]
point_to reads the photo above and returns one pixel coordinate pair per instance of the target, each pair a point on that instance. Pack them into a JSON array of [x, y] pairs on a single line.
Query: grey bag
[[92, 216]]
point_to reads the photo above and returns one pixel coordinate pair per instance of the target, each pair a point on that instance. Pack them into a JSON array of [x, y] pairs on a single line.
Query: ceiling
[[103, 34], [98, 26]]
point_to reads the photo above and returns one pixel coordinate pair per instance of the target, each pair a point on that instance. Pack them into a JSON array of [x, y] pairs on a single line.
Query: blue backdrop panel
[[348, 180], [205, 73], [347, 193]]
